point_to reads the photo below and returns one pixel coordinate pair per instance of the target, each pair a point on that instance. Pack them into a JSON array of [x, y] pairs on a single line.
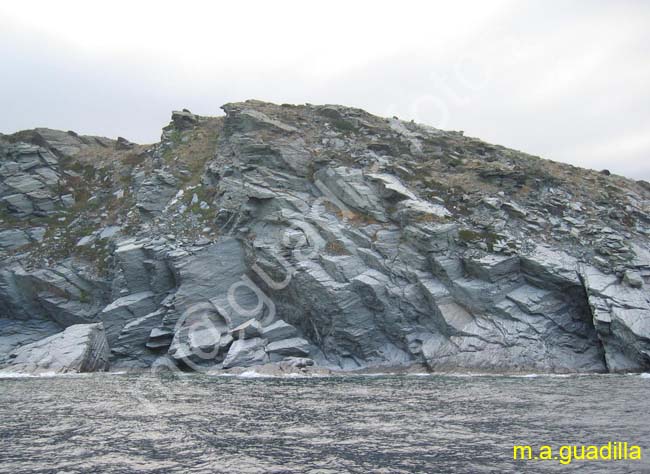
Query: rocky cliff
[[318, 235]]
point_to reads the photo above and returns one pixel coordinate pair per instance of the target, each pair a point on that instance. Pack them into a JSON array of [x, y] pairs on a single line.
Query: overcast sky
[[565, 80]]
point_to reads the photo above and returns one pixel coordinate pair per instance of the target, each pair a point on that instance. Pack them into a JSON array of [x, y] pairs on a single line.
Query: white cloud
[[564, 80], [627, 152]]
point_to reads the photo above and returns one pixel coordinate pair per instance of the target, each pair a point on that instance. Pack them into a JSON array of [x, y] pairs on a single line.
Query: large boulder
[[80, 348], [184, 119], [245, 353], [201, 337], [294, 347], [15, 333], [156, 191], [248, 330]]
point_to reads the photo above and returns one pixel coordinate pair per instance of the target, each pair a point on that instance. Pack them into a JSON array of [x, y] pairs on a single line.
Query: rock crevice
[[319, 234]]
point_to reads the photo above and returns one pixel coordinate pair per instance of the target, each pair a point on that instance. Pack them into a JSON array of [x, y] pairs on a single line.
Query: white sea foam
[[254, 374], [376, 374], [534, 376], [516, 376], [23, 375], [15, 375], [251, 374]]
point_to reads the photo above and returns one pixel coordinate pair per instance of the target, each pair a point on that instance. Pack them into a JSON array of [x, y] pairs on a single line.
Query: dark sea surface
[[390, 424]]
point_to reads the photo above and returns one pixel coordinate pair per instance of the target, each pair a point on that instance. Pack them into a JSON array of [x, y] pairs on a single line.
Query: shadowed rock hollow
[[300, 235]]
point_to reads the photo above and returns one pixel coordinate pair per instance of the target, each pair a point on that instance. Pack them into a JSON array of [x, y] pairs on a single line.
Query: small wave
[[466, 374], [251, 374], [295, 375], [374, 374], [534, 376], [645, 375], [515, 376], [14, 375], [47, 375], [24, 375]]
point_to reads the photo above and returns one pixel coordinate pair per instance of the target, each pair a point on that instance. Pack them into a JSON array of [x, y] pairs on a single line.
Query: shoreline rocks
[[280, 234], [79, 348]]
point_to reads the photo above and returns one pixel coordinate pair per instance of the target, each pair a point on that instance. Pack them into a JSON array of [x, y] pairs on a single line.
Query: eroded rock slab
[[80, 348]]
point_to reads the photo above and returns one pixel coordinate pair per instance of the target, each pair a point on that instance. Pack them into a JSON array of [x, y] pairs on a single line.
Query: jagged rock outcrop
[[322, 235], [80, 348]]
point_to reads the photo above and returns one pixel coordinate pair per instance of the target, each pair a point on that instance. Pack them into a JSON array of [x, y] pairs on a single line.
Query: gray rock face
[[19, 204], [80, 348], [156, 191], [201, 336], [15, 333], [323, 234], [294, 347], [184, 119], [132, 346], [209, 274], [277, 331], [142, 268], [29, 176], [250, 329], [246, 353], [159, 339], [621, 315], [634, 279], [13, 238], [62, 294], [124, 311]]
